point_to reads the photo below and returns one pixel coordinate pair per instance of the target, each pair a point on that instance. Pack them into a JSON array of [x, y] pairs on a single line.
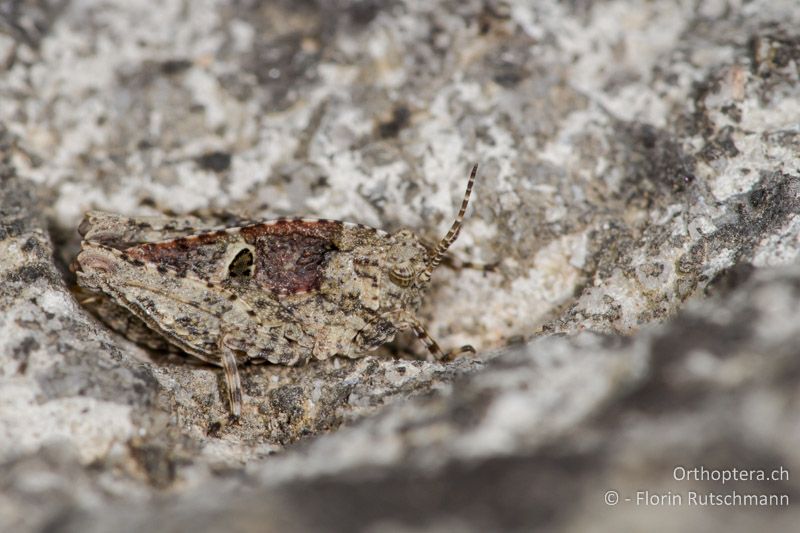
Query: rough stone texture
[[534, 439], [635, 157]]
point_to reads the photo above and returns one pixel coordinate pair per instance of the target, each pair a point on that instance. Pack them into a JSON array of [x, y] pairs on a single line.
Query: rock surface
[[639, 179]]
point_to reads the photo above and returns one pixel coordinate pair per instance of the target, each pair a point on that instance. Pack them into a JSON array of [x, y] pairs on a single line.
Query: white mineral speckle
[[27, 424]]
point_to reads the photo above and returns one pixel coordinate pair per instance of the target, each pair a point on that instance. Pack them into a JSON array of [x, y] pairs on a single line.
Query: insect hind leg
[[232, 380]]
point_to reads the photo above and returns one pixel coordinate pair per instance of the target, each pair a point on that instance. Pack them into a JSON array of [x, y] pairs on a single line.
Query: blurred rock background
[[639, 184]]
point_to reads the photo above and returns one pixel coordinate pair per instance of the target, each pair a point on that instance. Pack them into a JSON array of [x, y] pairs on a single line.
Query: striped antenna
[[452, 235]]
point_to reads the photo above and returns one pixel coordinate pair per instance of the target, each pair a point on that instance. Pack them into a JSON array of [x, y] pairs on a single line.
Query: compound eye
[[401, 276]]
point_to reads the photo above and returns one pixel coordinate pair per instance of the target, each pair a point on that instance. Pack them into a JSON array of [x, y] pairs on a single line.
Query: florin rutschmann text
[[751, 496]]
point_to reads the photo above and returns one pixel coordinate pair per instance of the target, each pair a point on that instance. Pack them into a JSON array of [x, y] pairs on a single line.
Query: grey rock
[[538, 436], [639, 185]]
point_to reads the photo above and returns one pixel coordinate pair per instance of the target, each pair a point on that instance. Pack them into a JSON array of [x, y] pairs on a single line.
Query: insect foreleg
[[455, 263], [458, 264], [410, 322]]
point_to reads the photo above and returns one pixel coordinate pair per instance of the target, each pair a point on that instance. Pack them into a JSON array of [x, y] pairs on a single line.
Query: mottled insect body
[[282, 291]]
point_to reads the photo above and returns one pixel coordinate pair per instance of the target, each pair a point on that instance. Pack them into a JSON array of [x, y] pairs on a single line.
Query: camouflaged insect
[[280, 291]]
